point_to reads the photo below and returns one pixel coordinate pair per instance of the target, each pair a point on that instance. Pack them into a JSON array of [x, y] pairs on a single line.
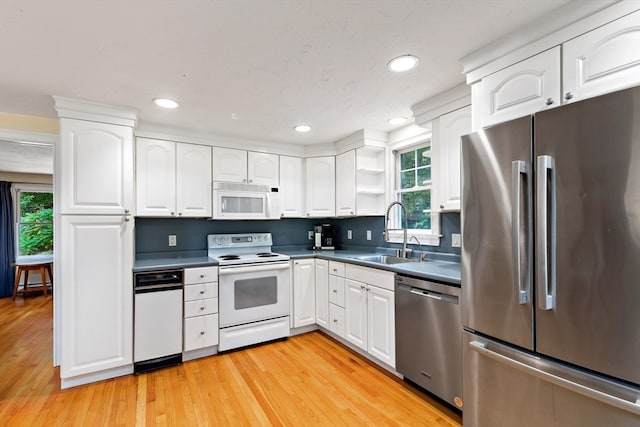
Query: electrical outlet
[[368, 234], [310, 234], [172, 240], [455, 240], [349, 234]]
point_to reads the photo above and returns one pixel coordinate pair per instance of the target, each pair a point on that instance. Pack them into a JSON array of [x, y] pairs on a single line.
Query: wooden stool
[[26, 268]]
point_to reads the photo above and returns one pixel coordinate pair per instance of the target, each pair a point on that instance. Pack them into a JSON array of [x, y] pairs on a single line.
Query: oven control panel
[[215, 241]]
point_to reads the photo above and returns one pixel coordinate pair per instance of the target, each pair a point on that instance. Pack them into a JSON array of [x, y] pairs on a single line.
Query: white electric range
[[253, 289]]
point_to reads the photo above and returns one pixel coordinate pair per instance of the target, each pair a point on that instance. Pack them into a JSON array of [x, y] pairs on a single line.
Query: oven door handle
[[252, 269]]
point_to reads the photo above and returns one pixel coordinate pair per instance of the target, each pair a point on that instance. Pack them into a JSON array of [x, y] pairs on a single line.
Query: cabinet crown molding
[[94, 111], [452, 99], [565, 23]]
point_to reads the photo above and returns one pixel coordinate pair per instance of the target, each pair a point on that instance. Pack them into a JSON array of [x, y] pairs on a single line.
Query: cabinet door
[[321, 183], [452, 126], [304, 293], [336, 290], [336, 320], [97, 294], [229, 165], [263, 168], [95, 168], [381, 325], [346, 191], [193, 180], [291, 187], [155, 177], [521, 89], [322, 292], [603, 60], [355, 313], [200, 332]]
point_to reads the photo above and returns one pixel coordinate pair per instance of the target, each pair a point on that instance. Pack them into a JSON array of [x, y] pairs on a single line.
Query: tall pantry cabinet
[[93, 247]]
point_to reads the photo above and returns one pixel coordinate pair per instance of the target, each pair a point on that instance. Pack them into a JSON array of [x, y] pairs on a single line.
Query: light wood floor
[[306, 380]]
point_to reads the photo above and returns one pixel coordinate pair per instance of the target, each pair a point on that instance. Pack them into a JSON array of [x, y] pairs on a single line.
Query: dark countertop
[[440, 268], [430, 269], [170, 260]]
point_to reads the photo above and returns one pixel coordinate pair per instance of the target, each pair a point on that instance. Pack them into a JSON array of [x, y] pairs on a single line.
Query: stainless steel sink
[[384, 259]]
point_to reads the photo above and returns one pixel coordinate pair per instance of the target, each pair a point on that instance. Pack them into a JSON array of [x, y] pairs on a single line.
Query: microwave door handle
[[267, 207]]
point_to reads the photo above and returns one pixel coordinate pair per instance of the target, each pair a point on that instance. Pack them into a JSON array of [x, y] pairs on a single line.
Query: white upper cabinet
[[291, 187], [193, 180], [262, 168], [172, 179], [451, 127], [97, 160], [233, 165], [321, 184], [603, 60], [528, 86], [346, 179], [155, 177], [229, 165]]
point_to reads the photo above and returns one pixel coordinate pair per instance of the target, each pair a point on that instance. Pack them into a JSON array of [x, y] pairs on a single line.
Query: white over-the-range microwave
[[245, 201]]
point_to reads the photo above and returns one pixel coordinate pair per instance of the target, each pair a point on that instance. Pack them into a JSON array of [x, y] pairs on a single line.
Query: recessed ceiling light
[[398, 120], [165, 103], [302, 128], [402, 63]]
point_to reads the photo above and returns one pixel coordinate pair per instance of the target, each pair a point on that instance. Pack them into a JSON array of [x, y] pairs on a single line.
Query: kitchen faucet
[[387, 229], [421, 255]]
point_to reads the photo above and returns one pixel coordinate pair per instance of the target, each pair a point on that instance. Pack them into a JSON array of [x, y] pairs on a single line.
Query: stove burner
[[265, 254], [229, 257]]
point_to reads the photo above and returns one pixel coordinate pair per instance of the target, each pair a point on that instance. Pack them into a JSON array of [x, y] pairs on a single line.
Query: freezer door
[[506, 387], [588, 233], [498, 233]]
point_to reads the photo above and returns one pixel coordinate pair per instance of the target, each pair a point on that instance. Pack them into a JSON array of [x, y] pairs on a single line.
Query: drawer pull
[[335, 291], [201, 292], [335, 320], [201, 332], [202, 308], [202, 276]]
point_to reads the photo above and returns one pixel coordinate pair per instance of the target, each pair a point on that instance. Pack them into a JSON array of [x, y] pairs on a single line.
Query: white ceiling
[[246, 68]]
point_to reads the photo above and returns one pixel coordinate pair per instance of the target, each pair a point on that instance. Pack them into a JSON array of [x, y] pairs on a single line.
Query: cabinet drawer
[[200, 332], [336, 268], [200, 307], [200, 275], [336, 290], [370, 276], [200, 291], [336, 319]]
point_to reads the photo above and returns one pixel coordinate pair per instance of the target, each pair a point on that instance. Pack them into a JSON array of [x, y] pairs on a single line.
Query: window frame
[[429, 237], [16, 189]]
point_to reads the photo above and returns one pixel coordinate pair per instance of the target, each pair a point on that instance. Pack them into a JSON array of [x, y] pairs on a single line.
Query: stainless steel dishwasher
[[429, 336]]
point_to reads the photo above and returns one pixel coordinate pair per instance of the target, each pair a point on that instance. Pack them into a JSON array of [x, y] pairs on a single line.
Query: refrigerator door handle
[[546, 232], [589, 391], [520, 169]]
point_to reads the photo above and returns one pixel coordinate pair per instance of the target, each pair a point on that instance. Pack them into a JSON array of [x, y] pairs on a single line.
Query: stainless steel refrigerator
[[551, 267]]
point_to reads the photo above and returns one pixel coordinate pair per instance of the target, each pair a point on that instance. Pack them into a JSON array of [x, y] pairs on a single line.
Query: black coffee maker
[[323, 236]]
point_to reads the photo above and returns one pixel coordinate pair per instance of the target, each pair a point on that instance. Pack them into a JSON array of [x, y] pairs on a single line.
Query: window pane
[[416, 202], [35, 228], [424, 174], [424, 156], [408, 179], [32, 203], [408, 160], [35, 239]]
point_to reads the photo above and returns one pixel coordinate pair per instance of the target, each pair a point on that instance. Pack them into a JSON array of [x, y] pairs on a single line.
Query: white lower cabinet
[[336, 320], [304, 293], [96, 296], [336, 298], [200, 308], [322, 292], [369, 311]]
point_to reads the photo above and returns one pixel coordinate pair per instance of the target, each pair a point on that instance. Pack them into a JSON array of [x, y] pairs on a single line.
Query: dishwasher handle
[[157, 288], [434, 295]]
